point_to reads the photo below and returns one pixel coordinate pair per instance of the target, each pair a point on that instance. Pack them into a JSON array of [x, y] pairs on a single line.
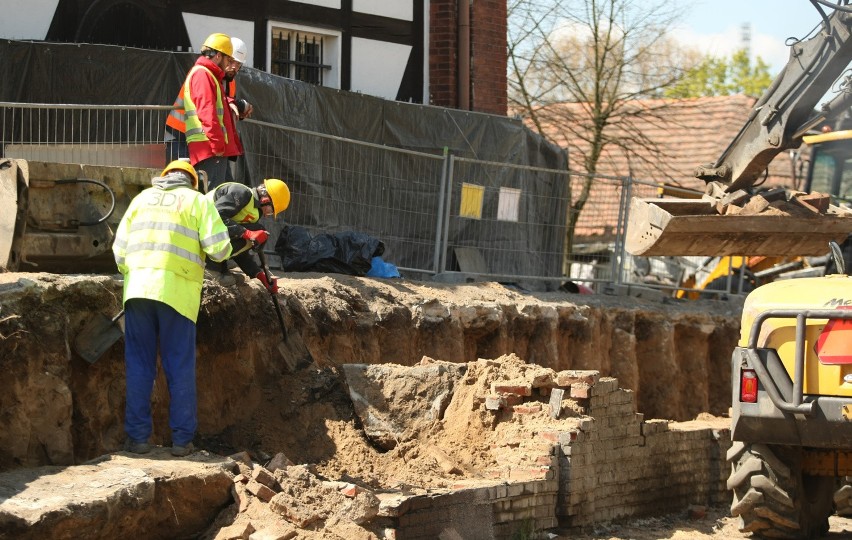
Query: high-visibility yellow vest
[[161, 243], [194, 128], [248, 213], [177, 116]]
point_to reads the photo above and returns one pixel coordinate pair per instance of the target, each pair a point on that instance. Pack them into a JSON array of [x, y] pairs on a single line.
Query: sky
[[715, 26]]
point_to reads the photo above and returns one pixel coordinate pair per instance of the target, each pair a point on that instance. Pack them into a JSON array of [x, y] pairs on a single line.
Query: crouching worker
[[241, 207], [160, 246]]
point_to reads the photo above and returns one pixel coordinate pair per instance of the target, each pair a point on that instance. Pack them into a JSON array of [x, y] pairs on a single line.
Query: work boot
[[136, 447], [181, 451]]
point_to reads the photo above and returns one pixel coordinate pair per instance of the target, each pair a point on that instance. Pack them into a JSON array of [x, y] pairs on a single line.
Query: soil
[[703, 524], [307, 414]]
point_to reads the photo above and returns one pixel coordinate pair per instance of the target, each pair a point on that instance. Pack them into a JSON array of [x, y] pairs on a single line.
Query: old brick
[[495, 402], [510, 388], [241, 497], [555, 403], [235, 532], [568, 377], [242, 457], [262, 475], [278, 532], [528, 408], [297, 514], [350, 490], [259, 490], [280, 461], [581, 391], [815, 202]]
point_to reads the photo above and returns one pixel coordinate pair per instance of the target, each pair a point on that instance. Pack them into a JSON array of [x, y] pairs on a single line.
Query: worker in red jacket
[[205, 107], [241, 208]]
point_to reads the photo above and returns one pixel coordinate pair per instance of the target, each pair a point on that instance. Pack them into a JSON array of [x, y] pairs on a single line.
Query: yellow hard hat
[[181, 165], [279, 193], [221, 43]]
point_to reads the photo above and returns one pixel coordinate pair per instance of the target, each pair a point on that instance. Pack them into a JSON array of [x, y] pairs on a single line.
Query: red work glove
[[271, 287], [256, 237]]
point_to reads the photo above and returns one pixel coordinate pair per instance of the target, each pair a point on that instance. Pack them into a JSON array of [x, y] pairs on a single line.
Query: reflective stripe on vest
[[194, 128], [161, 236], [177, 116]]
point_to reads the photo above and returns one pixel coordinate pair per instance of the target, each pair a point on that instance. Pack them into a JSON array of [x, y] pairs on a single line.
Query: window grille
[[298, 56]]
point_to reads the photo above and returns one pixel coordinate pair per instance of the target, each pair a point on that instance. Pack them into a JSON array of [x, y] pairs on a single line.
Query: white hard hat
[[240, 50]]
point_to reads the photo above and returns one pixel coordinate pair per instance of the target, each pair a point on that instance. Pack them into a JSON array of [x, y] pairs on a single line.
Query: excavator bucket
[[678, 227]]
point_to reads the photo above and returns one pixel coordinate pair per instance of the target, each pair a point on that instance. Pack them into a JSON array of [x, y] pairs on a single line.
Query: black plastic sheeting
[[345, 252], [104, 74], [108, 74]]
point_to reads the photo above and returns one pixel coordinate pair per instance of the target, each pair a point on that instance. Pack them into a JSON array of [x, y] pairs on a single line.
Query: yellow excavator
[[791, 372]]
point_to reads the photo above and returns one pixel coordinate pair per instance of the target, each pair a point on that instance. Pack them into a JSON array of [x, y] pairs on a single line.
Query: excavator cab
[[830, 166], [830, 171]]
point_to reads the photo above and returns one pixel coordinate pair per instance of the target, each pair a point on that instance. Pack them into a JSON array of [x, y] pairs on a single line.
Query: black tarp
[[105, 74], [108, 74]]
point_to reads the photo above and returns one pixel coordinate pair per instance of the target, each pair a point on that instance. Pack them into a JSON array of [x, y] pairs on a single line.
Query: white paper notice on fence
[[471, 201], [508, 204]]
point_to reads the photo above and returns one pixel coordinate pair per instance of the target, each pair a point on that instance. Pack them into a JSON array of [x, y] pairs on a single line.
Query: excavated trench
[[671, 358]]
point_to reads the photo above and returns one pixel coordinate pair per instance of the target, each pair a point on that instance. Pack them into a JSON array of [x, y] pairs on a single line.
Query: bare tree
[[581, 73]]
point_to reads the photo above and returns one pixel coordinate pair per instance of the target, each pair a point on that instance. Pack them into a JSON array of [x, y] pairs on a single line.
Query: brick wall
[[488, 57], [599, 461], [616, 465], [487, 49]]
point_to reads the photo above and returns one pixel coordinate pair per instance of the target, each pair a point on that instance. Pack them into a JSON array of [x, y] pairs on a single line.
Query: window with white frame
[[305, 54]]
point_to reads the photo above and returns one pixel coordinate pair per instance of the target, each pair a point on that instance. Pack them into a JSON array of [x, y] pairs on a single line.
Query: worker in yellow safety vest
[[241, 208], [160, 248]]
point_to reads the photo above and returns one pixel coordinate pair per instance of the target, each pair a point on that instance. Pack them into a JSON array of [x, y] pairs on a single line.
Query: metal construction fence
[[437, 214]]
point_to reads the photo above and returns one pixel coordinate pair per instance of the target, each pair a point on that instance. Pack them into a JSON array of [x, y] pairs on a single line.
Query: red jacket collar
[[211, 65]]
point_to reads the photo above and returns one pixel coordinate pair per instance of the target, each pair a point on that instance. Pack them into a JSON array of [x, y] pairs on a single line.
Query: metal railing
[[437, 214]]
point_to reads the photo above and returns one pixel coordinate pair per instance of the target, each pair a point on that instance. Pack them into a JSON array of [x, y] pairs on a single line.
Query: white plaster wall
[[396, 9], [200, 26], [377, 67], [26, 19]]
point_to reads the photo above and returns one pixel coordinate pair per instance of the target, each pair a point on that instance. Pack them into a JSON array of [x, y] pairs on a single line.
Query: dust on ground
[[713, 523]]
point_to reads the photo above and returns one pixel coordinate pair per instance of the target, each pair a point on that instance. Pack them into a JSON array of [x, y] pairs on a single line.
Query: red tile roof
[[686, 132]]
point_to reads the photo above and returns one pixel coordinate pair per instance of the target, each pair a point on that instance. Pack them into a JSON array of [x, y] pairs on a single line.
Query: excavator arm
[[785, 112]]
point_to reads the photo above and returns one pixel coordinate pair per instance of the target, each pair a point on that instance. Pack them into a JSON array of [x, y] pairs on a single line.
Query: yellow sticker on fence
[[471, 201]]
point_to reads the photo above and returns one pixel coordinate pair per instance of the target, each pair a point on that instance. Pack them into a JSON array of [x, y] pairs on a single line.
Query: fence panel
[[114, 135], [433, 213], [340, 185], [505, 220]]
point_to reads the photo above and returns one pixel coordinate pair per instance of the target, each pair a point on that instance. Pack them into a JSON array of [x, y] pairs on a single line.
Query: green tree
[[723, 77]]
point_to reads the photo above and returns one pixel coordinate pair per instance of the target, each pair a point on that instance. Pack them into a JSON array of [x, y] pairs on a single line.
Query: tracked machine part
[[60, 218]]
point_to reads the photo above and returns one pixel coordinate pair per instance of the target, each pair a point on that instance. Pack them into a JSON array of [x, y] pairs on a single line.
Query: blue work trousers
[[149, 324]]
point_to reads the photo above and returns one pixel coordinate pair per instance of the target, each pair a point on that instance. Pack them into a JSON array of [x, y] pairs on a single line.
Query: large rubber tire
[[772, 498]]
